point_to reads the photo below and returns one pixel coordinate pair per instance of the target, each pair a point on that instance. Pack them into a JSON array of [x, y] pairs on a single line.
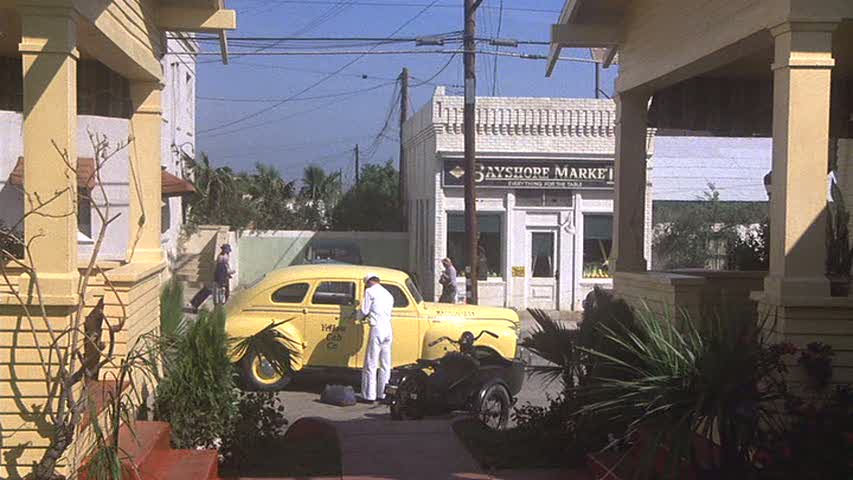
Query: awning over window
[[173, 186], [85, 173]]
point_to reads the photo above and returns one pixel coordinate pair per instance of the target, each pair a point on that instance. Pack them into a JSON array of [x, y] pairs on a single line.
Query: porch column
[[629, 210], [49, 57], [802, 71], [145, 177]]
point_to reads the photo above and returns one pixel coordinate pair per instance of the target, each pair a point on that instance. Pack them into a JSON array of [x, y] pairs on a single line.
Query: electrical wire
[[412, 5], [302, 99], [315, 84], [497, 49]]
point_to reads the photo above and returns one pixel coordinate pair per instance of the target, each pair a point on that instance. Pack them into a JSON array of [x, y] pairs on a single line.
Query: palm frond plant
[[557, 344], [271, 345], [682, 387]]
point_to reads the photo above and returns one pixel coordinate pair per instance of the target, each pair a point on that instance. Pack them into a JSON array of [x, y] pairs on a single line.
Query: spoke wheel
[[408, 403], [494, 409]]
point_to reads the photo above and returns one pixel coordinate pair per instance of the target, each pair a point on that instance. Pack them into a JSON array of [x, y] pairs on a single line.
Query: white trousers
[[378, 357]]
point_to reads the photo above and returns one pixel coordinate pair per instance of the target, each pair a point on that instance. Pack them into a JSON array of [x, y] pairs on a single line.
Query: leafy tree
[[219, 197], [270, 196], [319, 186], [373, 204], [708, 233]]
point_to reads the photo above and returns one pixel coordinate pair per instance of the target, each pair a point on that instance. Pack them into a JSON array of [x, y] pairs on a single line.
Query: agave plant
[[682, 386]]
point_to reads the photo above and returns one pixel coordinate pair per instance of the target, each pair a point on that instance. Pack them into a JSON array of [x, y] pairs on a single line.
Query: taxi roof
[[333, 270]]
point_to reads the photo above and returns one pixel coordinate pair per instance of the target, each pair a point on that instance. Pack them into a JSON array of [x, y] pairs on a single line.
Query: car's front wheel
[[259, 374], [494, 408]]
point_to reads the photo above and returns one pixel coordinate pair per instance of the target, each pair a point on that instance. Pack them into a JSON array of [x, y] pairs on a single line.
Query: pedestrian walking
[[222, 276], [448, 282], [376, 311]]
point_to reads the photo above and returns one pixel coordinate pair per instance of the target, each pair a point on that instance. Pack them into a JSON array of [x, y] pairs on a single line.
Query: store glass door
[[543, 270]]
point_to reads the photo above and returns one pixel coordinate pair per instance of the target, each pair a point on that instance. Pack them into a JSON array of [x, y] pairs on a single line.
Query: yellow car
[[319, 307]]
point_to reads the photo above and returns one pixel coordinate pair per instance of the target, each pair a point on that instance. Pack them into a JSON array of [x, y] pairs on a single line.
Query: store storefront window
[[597, 242], [491, 243]]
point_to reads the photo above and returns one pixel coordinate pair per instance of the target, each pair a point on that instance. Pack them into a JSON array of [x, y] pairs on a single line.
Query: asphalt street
[[302, 397]]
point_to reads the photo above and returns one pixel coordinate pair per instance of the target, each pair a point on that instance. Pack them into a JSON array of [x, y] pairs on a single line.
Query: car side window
[[334, 293], [294, 293], [400, 299]]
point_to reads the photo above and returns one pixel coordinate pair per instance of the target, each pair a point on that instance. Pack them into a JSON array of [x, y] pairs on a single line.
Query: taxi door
[[406, 346], [332, 331]]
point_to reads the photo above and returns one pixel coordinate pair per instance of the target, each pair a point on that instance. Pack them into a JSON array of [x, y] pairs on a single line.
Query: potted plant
[[839, 258]]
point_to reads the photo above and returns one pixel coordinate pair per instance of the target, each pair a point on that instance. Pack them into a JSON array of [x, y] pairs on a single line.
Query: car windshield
[[413, 289]]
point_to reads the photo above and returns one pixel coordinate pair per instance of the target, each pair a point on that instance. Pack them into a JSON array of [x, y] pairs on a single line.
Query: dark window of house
[[84, 213], [290, 293], [334, 293], [597, 242], [400, 299], [100, 91], [165, 216], [490, 247]]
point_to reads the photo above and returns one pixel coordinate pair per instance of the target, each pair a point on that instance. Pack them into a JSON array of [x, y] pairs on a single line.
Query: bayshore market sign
[[544, 174]]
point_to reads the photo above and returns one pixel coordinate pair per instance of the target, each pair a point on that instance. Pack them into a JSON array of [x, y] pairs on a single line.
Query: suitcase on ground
[[200, 297]]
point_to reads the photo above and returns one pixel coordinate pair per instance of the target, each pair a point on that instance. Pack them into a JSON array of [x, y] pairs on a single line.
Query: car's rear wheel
[[259, 374], [494, 408]]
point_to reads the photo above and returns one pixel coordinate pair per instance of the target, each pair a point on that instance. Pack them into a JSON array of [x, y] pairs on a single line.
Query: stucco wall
[[178, 134], [261, 252], [114, 177]]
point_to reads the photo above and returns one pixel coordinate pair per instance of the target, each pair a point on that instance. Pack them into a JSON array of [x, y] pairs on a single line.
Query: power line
[[364, 53], [316, 97], [497, 49], [412, 5], [317, 83], [436, 74]]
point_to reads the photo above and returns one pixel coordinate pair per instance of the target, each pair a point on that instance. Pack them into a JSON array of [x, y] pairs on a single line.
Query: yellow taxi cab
[[317, 309]]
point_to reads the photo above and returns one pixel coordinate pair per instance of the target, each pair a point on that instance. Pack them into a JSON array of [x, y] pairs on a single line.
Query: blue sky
[[324, 131]]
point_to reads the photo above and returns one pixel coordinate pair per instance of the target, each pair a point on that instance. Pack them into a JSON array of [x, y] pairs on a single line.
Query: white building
[[545, 196], [104, 108]]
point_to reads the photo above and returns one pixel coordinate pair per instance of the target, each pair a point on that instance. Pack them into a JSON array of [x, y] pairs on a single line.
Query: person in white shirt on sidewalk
[[376, 311]]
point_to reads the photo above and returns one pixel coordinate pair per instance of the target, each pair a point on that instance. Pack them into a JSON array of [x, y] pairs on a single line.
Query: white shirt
[[377, 307]]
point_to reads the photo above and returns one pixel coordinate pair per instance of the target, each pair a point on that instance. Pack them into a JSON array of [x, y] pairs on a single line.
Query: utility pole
[[597, 80], [471, 227], [357, 166], [404, 114]]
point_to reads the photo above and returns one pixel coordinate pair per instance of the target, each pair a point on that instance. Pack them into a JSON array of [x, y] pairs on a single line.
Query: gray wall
[[262, 252]]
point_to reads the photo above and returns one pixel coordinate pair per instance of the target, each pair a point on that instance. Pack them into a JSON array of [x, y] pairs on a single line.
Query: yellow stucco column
[[145, 182], [629, 219], [49, 57], [802, 71]]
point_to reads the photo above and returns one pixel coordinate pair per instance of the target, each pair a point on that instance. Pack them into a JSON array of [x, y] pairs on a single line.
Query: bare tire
[[258, 374], [408, 401], [494, 408]]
